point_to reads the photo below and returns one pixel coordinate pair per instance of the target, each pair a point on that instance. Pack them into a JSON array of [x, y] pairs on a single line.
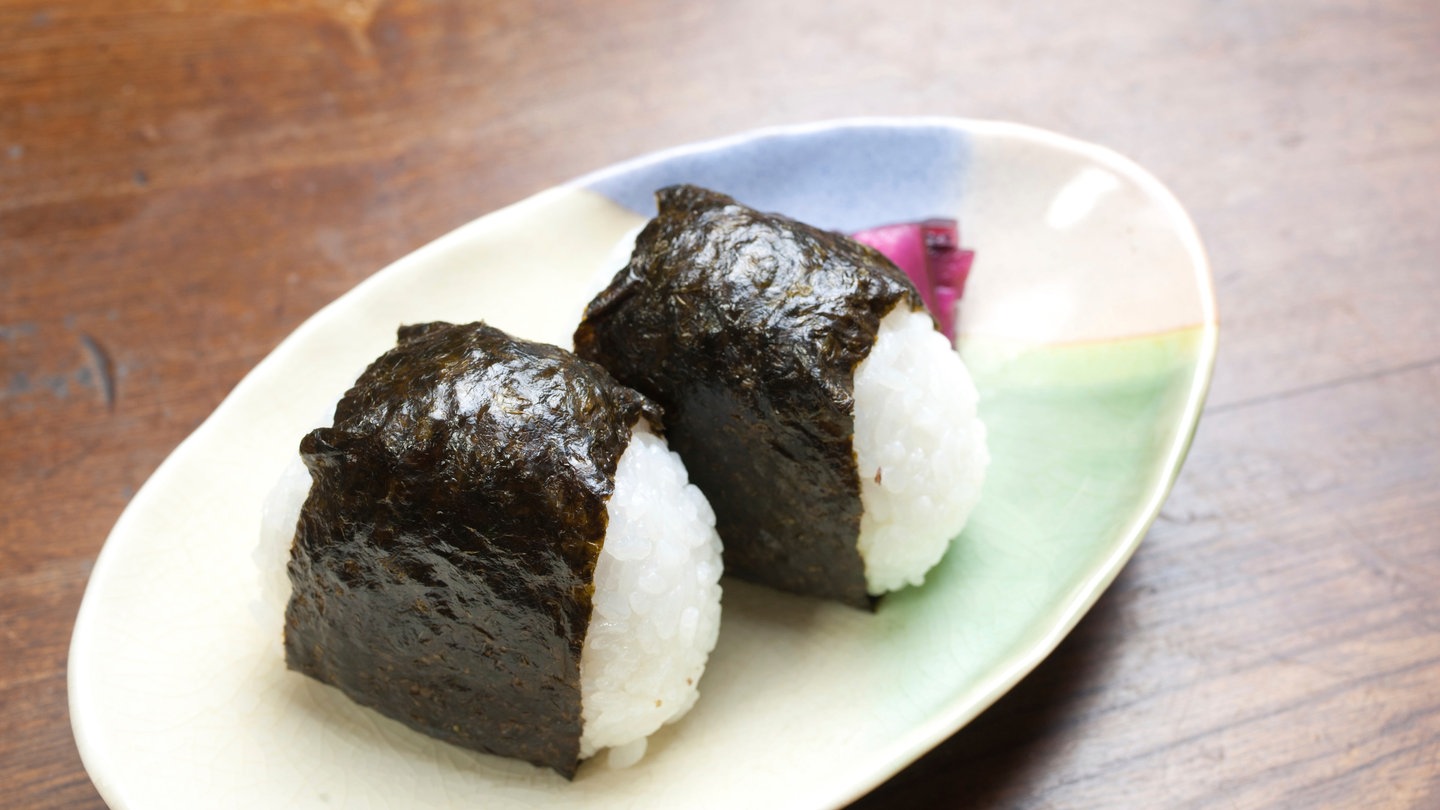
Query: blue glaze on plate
[[843, 177]]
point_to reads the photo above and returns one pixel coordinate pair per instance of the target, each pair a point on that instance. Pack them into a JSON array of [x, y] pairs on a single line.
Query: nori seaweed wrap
[[747, 329], [443, 562]]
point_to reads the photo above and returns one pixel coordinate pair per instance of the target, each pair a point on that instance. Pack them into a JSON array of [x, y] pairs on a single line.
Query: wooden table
[[180, 187]]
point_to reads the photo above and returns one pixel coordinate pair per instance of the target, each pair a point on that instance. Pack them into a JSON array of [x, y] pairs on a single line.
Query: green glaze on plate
[[1089, 325], [1081, 438]]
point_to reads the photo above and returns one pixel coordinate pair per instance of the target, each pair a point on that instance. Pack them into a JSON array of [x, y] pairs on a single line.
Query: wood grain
[[181, 184]]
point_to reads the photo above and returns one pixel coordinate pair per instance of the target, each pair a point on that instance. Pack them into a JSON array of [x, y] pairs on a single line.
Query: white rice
[[920, 449], [656, 608], [278, 517], [656, 612]]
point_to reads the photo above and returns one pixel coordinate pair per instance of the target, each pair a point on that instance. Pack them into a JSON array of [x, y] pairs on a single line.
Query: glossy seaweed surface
[[747, 327], [444, 560]]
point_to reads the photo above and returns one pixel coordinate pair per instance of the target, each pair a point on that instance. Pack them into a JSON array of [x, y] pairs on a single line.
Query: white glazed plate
[[1088, 323]]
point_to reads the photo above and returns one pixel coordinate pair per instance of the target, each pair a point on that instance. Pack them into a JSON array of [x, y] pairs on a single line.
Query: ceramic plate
[[1088, 323]]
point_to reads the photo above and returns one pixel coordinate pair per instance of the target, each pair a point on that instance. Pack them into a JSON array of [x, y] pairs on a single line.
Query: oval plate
[[1088, 323]]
